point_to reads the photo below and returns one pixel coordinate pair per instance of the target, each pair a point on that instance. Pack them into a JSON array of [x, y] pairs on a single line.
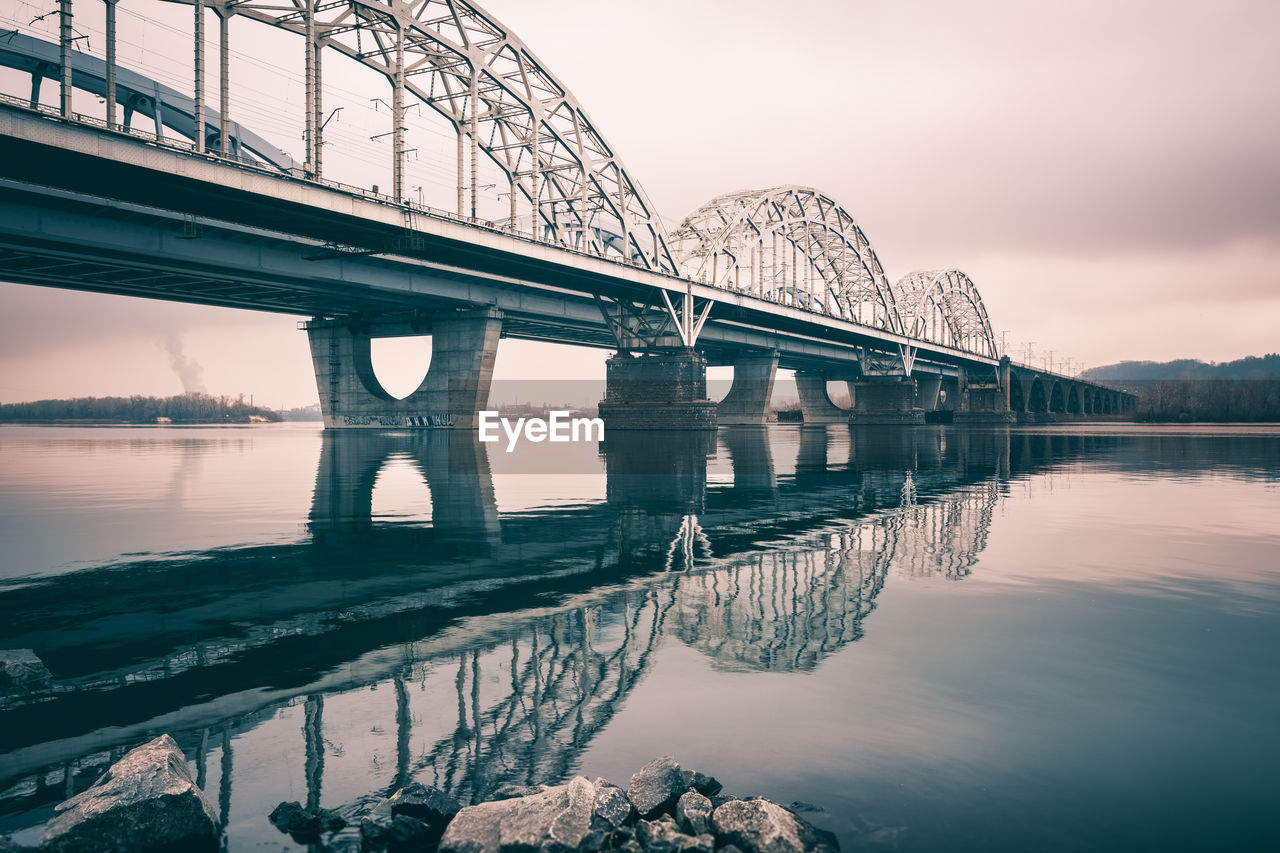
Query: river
[[1051, 638]]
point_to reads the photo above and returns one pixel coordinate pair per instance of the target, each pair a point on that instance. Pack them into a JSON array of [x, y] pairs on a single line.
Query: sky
[[1106, 173]]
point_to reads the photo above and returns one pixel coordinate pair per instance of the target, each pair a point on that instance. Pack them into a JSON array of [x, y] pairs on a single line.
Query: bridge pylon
[[464, 345]]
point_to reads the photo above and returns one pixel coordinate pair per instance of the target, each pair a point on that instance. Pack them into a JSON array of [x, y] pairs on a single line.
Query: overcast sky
[[1107, 173]]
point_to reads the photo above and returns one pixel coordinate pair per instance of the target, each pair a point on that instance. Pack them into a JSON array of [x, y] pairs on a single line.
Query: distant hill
[[1252, 367]]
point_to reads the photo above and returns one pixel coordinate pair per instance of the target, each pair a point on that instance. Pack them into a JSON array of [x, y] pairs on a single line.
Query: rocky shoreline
[[147, 801]]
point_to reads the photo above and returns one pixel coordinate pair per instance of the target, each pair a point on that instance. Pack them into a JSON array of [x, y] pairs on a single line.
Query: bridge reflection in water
[[502, 644]]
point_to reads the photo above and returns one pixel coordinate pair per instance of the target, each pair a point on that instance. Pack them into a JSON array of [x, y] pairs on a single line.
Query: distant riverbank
[[192, 408]]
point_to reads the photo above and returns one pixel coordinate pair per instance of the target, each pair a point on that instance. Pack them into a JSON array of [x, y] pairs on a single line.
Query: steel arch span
[[792, 245], [457, 59], [944, 307]]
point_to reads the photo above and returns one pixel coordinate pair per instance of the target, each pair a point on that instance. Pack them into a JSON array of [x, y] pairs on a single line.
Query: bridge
[[160, 195]]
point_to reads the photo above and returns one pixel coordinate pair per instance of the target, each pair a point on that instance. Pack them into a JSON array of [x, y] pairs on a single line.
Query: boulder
[[556, 820], [22, 669], [693, 813], [426, 803], [612, 805], [146, 801], [706, 785], [399, 834], [663, 836], [293, 819], [303, 825], [510, 792], [656, 787], [759, 826]]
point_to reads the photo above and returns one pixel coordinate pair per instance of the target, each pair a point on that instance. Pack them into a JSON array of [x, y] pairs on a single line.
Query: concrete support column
[[1005, 372], [929, 393], [985, 402], [886, 401], [658, 391], [464, 345], [815, 404], [747, 402]]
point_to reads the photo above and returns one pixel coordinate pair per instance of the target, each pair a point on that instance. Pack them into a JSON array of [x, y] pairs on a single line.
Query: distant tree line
[[1247, 389], [1219, 400], [184, 408]]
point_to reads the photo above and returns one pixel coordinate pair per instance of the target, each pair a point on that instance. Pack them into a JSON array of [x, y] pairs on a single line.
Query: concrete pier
[[657, 391], [747, 402], [815, 404], [464, 345], [888, 400]]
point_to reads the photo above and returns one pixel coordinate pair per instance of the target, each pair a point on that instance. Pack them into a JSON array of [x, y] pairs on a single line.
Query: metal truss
[[138, 95], [469, 68], [944, 307], [792, 245], [656, 323]]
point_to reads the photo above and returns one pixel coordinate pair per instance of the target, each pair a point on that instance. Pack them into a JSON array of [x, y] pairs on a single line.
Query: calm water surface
[[1065, 638]]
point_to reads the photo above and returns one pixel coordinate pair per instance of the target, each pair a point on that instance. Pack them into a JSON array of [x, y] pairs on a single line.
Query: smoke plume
[[189, 371]]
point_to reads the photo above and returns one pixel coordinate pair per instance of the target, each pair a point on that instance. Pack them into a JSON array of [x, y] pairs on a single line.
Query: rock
[[426, 803], [556, 820], [612, 804], [706, 785], [799, 806], [293, 819], [510, 792], [400, 834], [663, 836], [146, 801], [693, 813], [330, 821], [8, 845], [21, 668], [759, 826], [303, 825], [656, 787]]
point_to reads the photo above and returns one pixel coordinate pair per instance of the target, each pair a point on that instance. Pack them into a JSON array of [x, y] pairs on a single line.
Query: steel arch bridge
[[944, 306], [455, 58], [581, 256], [791, 245]]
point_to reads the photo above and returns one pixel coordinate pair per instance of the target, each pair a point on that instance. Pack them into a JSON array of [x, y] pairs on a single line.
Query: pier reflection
[[537, 625]]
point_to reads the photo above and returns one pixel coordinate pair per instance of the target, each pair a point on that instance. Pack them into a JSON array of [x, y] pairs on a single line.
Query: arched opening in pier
[[838, 393], [1017, 394], [1057, 399], [1037, 400], [400, 364]]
